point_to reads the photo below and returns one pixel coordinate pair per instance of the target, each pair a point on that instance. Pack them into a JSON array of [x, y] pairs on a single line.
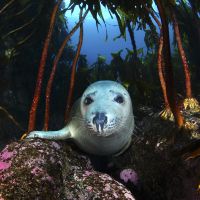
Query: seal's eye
[[119, 99], [88, 100]]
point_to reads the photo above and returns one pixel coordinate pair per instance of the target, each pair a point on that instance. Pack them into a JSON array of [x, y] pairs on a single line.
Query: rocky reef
[[41, 169]]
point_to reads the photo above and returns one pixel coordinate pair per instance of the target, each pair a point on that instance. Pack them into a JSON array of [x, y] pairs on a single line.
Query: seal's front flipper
[[51, 135]]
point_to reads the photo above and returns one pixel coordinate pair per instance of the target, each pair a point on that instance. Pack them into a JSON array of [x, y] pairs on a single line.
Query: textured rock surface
[[42, 169], [167, 167]]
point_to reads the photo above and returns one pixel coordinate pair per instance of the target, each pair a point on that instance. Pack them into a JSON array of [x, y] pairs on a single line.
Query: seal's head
[[105, 107]]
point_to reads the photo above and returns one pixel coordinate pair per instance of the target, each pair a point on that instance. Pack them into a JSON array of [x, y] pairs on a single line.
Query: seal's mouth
[[102, 133], [102, 130], [100, 127], [103, 126]]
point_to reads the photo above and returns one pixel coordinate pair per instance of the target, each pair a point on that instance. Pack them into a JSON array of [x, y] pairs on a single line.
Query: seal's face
[[105, 107]]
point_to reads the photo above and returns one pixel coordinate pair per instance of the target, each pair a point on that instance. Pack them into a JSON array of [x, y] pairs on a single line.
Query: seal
[[101, 121]]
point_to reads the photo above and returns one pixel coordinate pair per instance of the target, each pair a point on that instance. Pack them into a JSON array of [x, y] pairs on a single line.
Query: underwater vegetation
[[42, 74]]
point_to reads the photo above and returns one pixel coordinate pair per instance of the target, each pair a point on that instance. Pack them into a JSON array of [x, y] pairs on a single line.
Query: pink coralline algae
[[47, 178], [56, 145], [107, 187], [89, 188], [6, 155], [97, 185], [129, 196], [105, 177], [1, 198], [5, 159], [129, 175], [36, 171], [87, 173], [25, 166], [4, 165], [34, 162]]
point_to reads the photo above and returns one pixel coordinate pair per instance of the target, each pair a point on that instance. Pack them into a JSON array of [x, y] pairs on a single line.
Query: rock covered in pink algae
[[41, 169], [26, 171], [5, 159], [5, 155], [95, 185], [4, 165]]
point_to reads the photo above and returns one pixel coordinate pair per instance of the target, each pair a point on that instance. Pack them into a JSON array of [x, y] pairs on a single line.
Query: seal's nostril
[[94, 120], [106, 120]]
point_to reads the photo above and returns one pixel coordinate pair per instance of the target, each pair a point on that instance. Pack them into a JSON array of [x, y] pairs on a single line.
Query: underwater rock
[[164, 160], [41, 169]]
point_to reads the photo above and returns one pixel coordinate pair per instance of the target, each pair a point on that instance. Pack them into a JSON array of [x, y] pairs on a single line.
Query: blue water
[[95, 43]]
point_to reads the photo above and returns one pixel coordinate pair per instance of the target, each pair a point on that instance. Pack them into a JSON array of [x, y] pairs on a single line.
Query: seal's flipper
[[51, 135]]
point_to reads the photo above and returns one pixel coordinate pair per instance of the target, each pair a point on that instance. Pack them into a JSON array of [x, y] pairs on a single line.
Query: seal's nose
[[100, 119]]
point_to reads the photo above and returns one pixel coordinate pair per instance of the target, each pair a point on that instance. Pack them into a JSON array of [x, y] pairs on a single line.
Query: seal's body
[[101, 121]]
